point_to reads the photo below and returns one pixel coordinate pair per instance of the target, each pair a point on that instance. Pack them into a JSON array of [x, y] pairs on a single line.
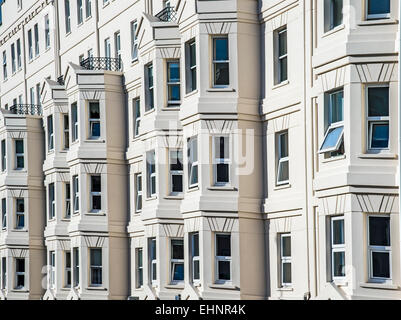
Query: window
[[96, 193], [74, 120], [47, 32], [67, 16], [36, 32], [38, 93], [94, 120], [30, 45], [137, 115], [52, 202], [192, 161], [13, 62], [149, 87], [67, 269], [3, 155], [4, 213], [190, 58], [134, 40], [337, 248], [282, 158], [19, 61], [333, 139], [96, 267], [152, 259], [223, 257], [67, 201], [220, 62], [3, 273], [4, 65], [52, 267], [19, 273], [75, 186], [378, 9], [282, 55], [75, 264], [176, 172], [151, 173], [50, 133], [20, 99], [138, 190], [177, 260], [20, 213], [32, 95], [378, 117], [19, 154], [333, 14], [80, 12], [19, 4], [88, 6], [107, 53], [221, 160], [379, 248], [117, 45], [195, 262], [285, 260], [66, 131], [139, 267], [173, 83]]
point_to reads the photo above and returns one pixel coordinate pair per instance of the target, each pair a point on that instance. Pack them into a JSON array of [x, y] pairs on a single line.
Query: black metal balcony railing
[[28, 109], [167, 14], [60, 80], [100, 63]]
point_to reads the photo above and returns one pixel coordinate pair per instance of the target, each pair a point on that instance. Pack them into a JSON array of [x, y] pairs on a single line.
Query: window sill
[[377, 21], [171, 109], [285, 289], [88, 18], [223, 286], [281, 84], [382, 155], [20, 290], [223, 89], [340, 283], [20, 230], [173, 197], [334, 30], [95, 140], [193, 189], [384, 286], [134, 62], [174, 286], [151, 198], [222, 188], [283, 186], [106, 4], [66, 220], [342, 157], [95, 213], [96, 288]]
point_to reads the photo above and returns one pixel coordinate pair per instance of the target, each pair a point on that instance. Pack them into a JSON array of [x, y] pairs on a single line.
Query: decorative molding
[[333, 79], [94, 168], [282, 123], [92, 95], [169, 53], [173, 141], [377, 72], [218, 27], [372, 203], [333, 205], [222, 224], [94, 242], [193, 224], [281, 225], [173, 230], [219, 126], [19, 253]]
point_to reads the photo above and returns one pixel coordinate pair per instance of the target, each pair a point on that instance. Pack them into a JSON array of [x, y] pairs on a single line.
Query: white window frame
[[173, 103], [174, 262], [138, 193], [222, 258], [376, 120], [192, 162], [52, 269], [93, 121], [175, 172], [376, 16], [336, 247], [18, 273], [281, 159], [138, 268], [151, 175], [134, 40], [137, 116], [50, 134], [75, 189], [19, 213], [285, 259], [67, 269], [152, 262], [384, 249], [95, 193], [93, 267], [217, 160], [80, 12], [19, 154], [215, 62], [279, 32], [52, 202], [194, 258], [67, 213], [88, 9]]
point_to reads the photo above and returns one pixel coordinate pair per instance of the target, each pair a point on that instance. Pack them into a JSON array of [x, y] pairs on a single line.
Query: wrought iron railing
[[28, 109], [60, 80], [167, 14], [100, 63]]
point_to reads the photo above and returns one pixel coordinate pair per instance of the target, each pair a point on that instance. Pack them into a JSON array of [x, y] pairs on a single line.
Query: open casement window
[[285, 260], [67, 269], [220, 62], [138, 190], [94, 120], [177, 260], [337, 240], [379, 248], [195, 263], [96, 193], [221, 160], [152, 260], [334, 116], [173, 83], [223, 257], [282, 158], [19, 273], [20, 213], [75, 189], [176, 172], [137, 116], [52, 202], [377, 9], [52, 269], [378, 117], [96, 267], [192, 162], [151, 173], [333, 14]]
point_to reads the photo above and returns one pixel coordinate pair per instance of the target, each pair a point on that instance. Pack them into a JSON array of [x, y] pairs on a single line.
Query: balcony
[[167, 14], [100, 63], [26, 109]]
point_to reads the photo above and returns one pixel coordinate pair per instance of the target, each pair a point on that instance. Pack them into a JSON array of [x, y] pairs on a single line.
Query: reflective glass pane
[[286, 246], [95, 129], [283, 171], [220, 49], [339, 264], [96, 257], [178, 272], [223, 245], [222, 172], [336, 107], [96, 202], [378, 102], [332, 138], [381, 264], [286, 272], [96, 183], [380, 135], [337, 13], [379, 231], [338, 231], [173, 72], [283, 140], [174, 93], [94, 112], [378, 6], [19, 146], [221, 76], [196, 271], [224, 270], [194, 176], [177, 249], [282, 42], [177, 183], [195, 245]]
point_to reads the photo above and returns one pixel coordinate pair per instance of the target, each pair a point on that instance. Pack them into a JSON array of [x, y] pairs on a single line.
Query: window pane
[[224, 270], [282, 42], [222, 172], [196, 271], [96, 257], [96, 203], [286, 246], [338, 231], [177, 249], [381, 264], [286, 272], [379, 231], [96, 183], [174, 93], [177, 183], [173, 72], [223, 245], [176, 160], [221, 49], [283, 171], [195, 245], [194, 176], [339, 264], [378, 102], [283, 69], [283, 145], [221, 74], [20, 265], [94, 110], [332, 138], [378, 6], [178, 272], [337, 12], [380, 135], [19, 146], [336, 107]]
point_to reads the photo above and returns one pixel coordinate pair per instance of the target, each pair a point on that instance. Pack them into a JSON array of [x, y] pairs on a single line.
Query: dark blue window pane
[[96, 129], [221, 49], [178, 272], [380, 135], [378, 101], [378, 6], [379, 231]]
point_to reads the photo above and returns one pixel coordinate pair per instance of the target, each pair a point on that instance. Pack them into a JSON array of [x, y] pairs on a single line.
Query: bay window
[[19, 213], [173, 83], [138, 191], [139, 267], [282, 158], [151, 173], [19, 273], [177, 260], [96, 193], [378, 117], [195, 258], [94, 120], [220, 61], [377, 9], [176, 172], [96, 267], [152, 260], [285, 260], [337, 248], [221, 160], [223, 257]]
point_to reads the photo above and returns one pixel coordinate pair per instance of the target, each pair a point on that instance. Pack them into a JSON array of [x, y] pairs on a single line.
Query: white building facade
[[203, 149]]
